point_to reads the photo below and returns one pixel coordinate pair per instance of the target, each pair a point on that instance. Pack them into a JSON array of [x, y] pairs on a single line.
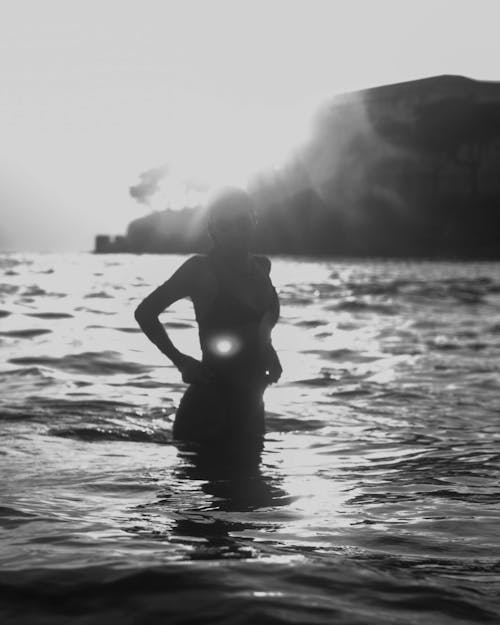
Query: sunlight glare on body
[[225, 345]]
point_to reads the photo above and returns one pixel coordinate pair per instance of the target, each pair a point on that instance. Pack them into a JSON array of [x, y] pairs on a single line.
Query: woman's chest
[[254, 292]]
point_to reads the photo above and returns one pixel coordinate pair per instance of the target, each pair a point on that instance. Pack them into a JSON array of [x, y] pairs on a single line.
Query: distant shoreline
[[346, 258], [403, 170]]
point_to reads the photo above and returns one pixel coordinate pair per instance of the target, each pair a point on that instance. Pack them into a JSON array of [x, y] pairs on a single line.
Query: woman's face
[[233, 229]]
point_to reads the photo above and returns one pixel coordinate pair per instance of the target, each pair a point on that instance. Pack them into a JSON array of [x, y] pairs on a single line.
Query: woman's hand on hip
[[272, 364], [194, 371]]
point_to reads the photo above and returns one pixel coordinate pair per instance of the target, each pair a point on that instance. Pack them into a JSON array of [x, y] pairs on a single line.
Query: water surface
[[377, 499]]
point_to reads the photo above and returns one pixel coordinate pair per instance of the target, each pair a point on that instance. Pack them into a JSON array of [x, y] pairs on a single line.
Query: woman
[[236, 307]]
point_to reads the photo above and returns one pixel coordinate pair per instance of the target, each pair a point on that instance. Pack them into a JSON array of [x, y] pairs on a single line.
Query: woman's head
[[232, 219]]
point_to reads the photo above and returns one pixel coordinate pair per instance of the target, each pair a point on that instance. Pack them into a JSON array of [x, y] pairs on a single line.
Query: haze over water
[[377, 497]]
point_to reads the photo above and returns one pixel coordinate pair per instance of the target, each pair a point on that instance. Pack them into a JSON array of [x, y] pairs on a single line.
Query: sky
[[95, 92]]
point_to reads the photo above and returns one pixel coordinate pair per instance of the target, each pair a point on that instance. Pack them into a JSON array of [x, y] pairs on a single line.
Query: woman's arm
[[271, 360], [270, 319], [178, 286], [272, 314], [267, 323]]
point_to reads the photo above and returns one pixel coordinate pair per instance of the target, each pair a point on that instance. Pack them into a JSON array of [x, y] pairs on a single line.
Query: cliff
[[409, 169]]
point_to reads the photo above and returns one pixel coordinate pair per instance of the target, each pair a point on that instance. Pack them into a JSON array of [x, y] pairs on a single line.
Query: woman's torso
[[229, 310]]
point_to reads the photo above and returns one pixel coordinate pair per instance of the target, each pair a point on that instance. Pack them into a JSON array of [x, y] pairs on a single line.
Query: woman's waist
[[236, 368], [232, 344], [237, 372]]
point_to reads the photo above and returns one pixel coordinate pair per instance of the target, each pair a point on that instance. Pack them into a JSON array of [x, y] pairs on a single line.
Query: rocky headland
[[404, 170]]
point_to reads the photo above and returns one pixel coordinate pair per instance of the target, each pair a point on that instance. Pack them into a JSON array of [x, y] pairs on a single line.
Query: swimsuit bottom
[[221, 417]]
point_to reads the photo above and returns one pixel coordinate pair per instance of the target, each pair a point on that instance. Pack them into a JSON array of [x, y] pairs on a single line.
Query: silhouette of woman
[[236, 307]]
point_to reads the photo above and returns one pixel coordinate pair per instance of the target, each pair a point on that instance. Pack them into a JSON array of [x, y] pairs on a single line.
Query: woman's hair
[[229, 200]]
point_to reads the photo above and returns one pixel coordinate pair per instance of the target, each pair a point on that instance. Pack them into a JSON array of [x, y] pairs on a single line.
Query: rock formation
[[409, 169]]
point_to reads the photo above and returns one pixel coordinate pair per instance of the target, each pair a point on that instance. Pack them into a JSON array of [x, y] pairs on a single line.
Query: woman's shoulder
[[199, 267], [263, 261]]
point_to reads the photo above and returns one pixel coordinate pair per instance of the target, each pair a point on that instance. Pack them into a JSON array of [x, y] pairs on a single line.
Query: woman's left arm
[[272, 314], [271, 359], [268, 321], [270, 318]]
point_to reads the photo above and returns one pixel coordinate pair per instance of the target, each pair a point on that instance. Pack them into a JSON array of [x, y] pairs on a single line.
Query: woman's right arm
[[181, 284]]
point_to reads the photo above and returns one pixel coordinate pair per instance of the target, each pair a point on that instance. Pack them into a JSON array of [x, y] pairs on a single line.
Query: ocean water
[[377, 500]]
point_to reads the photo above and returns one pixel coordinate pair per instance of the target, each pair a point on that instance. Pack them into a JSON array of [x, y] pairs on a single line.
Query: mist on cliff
[[163, 187], [336, 161], [333, 158]]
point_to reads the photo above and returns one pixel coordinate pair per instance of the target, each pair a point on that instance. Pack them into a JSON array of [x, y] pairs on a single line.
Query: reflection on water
[[376, 496], [204, 532]]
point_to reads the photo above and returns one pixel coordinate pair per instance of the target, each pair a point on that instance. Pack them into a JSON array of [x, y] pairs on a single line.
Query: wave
[[98, 294], [130, 330], [34, 289], [341, 354], [282, 423], [311, 323], [11, 518], [8, 289], [95, 434], [101, 413], [96, 363], [324, 380], [331, 589], [357, 305], [463, 289], [25, 334], [25, 371], [50, 315], [9, 260], [94, 310]]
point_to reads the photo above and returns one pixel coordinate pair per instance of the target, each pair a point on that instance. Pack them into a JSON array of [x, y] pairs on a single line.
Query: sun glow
[[224, 345]]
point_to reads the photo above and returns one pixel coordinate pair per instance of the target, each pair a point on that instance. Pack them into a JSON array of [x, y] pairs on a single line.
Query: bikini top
[[227, 310]]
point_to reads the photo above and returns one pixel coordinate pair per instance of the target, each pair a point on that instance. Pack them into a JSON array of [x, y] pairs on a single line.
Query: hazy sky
[[94, 92]]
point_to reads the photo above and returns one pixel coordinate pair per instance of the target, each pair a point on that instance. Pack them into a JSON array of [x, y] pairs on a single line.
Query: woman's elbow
[[142, 314]]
